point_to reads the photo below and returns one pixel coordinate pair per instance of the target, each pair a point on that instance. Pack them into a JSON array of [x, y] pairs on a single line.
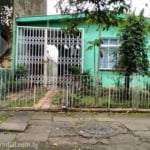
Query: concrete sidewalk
[[74, 131]]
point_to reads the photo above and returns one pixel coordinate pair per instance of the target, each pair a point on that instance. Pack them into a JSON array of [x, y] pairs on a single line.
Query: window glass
[[113, 42], [105, 41], [108, 48]]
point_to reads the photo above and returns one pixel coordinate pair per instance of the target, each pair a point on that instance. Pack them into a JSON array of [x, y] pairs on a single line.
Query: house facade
[[40, 44]]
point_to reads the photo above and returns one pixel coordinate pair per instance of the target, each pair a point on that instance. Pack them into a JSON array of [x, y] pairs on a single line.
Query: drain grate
[[101, 129]]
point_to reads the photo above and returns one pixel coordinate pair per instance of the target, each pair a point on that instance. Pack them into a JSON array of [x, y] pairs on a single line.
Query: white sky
[[136, 5], [50, 7]]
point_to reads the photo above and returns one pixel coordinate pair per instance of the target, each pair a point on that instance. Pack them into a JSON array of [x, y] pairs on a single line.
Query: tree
[[99, 12], [132, 53], [6, 18]]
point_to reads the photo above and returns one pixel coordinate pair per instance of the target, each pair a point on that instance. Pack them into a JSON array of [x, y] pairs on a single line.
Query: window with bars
[[108, 47]]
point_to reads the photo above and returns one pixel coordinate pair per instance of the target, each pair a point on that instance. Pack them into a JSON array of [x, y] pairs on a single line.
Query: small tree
[[132, 53]]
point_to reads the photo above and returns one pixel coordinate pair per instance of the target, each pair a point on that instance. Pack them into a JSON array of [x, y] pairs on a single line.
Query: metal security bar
[[30, 51], [69, 47], [109, 92], [48, 53], [80, 91]]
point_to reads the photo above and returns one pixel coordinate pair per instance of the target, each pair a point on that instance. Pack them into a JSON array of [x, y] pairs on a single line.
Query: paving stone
[[84, 116], [39, 126], [7, 137], [59, 131], [143, 135], [13, 126], [18, 119], [58, 124], [62, 118], [117, 147], [130, 147], [24, 146], [40, 122], [42, 116], [38, 129], [124, 139], [63, 131], [103, 117], [104, 141], [133, 126], [145, 146], [35, 137], [22, 113], [76, 140]]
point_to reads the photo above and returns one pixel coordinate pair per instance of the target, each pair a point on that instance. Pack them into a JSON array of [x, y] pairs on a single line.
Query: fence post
[[34, 94], [136, 93], [67, 96], [109, 96]]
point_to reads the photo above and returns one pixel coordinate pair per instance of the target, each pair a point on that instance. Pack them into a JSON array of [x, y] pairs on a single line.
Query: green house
[[42, 46]]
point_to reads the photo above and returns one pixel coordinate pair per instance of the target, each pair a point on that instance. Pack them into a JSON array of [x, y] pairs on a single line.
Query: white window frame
[[108, 46]]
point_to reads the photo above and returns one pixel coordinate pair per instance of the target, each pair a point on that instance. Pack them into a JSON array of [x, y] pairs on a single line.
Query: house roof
[[55, 18], [45, 18]]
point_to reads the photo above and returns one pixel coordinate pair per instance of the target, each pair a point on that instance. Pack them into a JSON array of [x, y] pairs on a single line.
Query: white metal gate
[[47, 53]]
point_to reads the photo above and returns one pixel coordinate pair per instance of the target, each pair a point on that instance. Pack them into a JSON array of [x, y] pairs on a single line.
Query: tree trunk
[[96, 90], [127, 86]]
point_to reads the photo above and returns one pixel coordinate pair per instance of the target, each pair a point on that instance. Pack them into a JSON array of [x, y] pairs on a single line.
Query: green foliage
[[6, 18], [21, 71], [11, 81], [57, 98], [132, 54], [5, 75], [99, 12], [29, 100], [75, 70], [94, 43]]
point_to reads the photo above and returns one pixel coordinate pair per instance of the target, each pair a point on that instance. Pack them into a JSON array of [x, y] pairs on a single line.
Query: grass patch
[[56, 98], [75, 100], [4, 115], [27, 101], [101, 102], [21, 103], [87, 101], [140, 115]]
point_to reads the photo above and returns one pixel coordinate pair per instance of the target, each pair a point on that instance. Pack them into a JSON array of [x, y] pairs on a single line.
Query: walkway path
[[76, 131], [46, 102]]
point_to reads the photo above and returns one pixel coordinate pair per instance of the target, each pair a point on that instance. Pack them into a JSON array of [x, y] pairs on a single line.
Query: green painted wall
[[89, 57]]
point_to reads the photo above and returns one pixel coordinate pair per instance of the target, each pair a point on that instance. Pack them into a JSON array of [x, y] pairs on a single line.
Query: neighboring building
[[29, 7], [33, 34], [16, 8]]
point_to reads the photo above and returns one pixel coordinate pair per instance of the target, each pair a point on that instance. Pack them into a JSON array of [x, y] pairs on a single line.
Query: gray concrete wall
[[30, 7]]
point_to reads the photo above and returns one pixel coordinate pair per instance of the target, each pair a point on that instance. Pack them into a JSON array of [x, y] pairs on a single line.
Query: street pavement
[[25, 130]]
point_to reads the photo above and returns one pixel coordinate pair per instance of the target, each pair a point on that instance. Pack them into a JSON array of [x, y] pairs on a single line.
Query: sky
[[140, 4], [137, 5]]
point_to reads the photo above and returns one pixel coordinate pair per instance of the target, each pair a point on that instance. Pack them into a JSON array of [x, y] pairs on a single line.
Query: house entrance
[[47, 53]]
